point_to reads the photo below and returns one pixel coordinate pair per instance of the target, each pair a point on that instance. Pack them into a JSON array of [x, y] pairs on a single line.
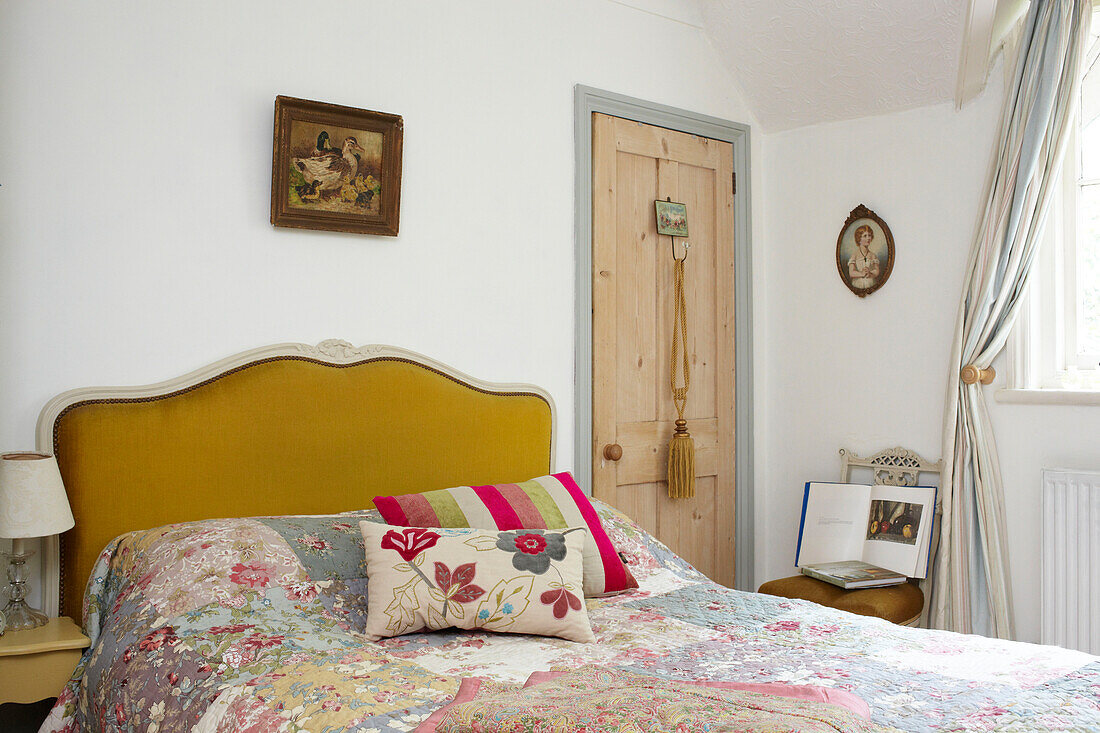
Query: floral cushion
[[546, 502], [524, 581]]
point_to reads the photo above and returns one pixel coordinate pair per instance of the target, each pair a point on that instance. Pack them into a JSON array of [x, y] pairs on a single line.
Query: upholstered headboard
[[288, 429]]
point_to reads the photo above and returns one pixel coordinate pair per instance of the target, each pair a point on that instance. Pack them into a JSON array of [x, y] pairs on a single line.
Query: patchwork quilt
[[253, 625], [599, 699]]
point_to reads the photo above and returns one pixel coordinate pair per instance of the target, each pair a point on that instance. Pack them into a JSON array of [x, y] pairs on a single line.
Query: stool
[[900, 604]]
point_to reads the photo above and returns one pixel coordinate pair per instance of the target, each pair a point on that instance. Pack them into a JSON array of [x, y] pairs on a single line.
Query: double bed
[[218, 568]]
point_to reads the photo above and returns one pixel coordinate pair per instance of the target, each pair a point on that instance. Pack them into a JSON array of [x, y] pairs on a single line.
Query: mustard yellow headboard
[[290, 429]]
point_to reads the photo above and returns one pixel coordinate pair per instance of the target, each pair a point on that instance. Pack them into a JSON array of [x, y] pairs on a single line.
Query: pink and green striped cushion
[[547, 502]]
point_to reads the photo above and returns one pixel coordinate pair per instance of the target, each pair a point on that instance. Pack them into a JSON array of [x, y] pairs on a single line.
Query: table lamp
[[32, 504]]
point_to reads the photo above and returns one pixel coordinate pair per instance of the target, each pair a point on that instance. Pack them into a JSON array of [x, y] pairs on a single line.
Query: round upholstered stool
[[901, 604]]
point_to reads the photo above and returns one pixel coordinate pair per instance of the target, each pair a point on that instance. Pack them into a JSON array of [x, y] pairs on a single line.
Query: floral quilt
[[254, 625], [599, 700]]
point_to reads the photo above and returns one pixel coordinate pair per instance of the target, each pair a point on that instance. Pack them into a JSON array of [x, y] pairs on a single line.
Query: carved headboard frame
[[331, 352]]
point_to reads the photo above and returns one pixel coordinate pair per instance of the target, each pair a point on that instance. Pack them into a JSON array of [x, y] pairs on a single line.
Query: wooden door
[[633, 165]]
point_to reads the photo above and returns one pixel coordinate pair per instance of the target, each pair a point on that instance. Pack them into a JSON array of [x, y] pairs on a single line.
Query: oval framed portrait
[[864, 252]]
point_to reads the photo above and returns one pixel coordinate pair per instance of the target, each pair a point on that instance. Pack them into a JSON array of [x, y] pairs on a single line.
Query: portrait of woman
[[864, 252], [863, 265]]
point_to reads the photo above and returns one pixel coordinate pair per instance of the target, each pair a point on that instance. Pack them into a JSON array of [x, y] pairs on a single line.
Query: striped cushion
[[547, 502]]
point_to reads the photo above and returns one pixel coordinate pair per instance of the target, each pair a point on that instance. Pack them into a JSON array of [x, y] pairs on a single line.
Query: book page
[[833, 523], [898, 528]]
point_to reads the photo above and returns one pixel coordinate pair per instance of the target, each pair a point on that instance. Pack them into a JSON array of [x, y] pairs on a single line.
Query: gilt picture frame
[[864, 251], [336, 168]]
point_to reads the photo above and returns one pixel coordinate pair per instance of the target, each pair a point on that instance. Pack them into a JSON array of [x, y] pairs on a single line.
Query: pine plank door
[[634, 164]]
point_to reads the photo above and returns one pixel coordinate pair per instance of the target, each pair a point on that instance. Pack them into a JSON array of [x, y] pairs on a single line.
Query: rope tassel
[[681, 449], [681, 463]]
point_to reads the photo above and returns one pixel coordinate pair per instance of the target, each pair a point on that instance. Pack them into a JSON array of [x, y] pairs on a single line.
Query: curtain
[[970, 589]]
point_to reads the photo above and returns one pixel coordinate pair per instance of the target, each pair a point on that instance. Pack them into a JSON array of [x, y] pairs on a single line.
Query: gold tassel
[[681, 463], [681, 449]]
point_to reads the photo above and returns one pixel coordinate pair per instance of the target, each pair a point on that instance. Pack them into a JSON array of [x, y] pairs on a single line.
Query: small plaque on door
[[672, 218]]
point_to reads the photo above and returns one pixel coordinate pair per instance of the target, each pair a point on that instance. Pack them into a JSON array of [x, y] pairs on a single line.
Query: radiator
[[1071, 559]]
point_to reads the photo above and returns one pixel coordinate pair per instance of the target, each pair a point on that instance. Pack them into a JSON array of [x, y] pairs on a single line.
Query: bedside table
[[36, 663]]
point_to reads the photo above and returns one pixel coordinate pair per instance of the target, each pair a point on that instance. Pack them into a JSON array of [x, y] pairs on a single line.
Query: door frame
[[586, 101]]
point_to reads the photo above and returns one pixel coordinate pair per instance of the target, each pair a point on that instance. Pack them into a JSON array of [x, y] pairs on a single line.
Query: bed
[[217, 566]]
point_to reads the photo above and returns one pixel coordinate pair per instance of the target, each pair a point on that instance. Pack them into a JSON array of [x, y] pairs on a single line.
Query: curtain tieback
[[972, 375]]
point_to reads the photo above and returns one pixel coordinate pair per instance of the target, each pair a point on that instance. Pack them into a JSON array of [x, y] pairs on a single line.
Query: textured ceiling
[[800, 62]]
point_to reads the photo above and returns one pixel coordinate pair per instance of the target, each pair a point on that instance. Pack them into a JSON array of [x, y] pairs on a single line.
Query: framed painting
[[335, 168], [672, 218], [864, 252]]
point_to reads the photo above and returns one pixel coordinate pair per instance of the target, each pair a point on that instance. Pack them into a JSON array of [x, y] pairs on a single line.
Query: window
[[1056, 342], [1083, 277]]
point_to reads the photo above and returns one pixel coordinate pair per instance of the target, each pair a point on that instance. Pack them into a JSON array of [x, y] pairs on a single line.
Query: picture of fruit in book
[[894, 521]]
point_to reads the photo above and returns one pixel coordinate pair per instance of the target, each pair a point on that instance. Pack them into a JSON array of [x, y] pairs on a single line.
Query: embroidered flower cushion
[[547, 502], [520, 581]]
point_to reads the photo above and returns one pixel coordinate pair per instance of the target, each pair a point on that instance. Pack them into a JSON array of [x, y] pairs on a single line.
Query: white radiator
[[1071, 559]]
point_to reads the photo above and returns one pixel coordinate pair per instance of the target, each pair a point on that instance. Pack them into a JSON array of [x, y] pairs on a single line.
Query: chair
[[901, 604]]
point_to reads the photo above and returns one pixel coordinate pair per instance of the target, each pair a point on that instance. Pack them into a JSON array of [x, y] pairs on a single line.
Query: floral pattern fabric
[[610, 701], [279, 648], [521, 582], [546, 502]]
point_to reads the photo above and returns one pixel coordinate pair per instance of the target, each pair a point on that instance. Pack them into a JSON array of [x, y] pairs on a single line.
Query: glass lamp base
[[21, 616]]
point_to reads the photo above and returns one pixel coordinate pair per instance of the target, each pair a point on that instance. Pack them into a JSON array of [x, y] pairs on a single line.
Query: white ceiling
[[801, 62]]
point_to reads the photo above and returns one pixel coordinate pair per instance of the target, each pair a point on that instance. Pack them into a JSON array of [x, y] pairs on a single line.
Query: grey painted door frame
[[586, 101]]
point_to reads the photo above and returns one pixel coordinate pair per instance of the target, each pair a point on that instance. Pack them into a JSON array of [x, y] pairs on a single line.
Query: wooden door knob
[[613, 452]]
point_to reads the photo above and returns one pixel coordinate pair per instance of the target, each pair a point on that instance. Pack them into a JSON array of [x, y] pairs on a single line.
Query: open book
[[860, 536]]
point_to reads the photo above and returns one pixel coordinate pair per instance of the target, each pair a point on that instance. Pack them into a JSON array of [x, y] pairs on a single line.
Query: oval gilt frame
[[856, 214]]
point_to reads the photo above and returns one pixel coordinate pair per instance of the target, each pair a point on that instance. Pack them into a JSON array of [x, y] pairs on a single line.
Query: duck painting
[[329, 166], [331, 169]]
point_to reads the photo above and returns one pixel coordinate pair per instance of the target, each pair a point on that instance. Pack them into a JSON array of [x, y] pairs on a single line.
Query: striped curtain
[[970, 589]]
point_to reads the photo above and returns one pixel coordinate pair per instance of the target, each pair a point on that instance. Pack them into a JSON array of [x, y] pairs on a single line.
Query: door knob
[[613, 452]]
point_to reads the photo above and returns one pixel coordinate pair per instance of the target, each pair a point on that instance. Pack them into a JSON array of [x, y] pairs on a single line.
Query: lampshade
[[32, 496]]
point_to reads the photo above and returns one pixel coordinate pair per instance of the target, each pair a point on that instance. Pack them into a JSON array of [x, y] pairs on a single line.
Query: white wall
[[134, 243], [871, 373], [134, 234]]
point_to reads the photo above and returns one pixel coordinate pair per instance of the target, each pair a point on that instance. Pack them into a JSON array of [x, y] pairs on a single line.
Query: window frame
[[1044, 363], [1075, 356]]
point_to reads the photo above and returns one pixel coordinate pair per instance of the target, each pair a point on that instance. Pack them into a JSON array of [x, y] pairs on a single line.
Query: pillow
[[547, 502], [520, 581]]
